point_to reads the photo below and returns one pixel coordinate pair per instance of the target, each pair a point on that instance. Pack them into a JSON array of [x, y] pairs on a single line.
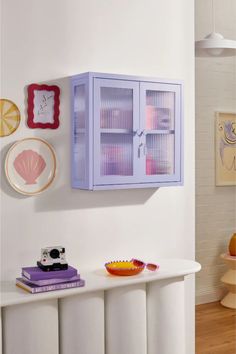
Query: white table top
[[99, 279]]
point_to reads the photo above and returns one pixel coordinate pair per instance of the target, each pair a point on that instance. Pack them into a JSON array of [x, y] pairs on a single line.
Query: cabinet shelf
[[159, 131], [116, 131], [127, 132]]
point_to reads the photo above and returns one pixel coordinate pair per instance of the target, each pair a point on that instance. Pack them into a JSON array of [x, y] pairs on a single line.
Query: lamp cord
[[213, 16]]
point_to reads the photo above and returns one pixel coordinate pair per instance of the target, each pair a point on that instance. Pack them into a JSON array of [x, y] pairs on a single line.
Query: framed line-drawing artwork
[[225, 152], [43, 106]]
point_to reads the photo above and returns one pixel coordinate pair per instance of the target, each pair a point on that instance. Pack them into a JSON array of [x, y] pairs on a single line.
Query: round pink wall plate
[[30, 166]]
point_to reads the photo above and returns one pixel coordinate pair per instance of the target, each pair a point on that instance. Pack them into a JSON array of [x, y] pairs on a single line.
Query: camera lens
[[54, 253]]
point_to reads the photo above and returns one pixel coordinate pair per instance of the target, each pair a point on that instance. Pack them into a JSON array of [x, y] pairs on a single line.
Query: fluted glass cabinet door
[[160, 131], [79, 132], [116, 119]]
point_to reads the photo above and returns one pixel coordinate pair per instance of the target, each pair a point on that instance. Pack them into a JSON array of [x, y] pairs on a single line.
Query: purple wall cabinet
[[126, 132]]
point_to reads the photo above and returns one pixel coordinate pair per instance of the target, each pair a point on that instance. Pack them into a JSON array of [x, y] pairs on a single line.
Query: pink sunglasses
[[149, 266]]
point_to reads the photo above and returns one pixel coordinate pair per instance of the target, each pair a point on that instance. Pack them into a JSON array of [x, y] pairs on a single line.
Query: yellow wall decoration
[[9, 117]]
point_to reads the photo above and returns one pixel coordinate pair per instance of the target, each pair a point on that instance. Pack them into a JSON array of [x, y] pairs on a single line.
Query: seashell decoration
[[29, 165]]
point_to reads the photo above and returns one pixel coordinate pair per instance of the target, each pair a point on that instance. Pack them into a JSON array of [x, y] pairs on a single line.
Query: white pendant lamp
[[214, 44]]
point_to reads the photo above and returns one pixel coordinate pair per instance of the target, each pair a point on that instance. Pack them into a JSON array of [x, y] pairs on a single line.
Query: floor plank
[[215, 329]]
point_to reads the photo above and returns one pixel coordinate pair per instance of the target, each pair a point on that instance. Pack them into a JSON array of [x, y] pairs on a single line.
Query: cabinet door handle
[[139, 149], [142, 147]]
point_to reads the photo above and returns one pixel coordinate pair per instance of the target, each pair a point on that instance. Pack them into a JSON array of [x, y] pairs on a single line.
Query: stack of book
[[35, 280]]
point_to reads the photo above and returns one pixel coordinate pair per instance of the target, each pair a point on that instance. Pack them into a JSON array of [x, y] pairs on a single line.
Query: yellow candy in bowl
[[124, 268]]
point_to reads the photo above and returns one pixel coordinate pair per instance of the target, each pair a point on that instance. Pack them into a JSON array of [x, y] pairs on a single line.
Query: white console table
[[142, 314]]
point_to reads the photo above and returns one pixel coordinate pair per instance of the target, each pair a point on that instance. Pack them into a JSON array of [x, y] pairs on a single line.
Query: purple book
[[50, 281], [35, 289], [35, 273]]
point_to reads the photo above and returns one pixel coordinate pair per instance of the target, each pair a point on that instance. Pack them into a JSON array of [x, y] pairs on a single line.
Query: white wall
[[215, 206], [50, 40]]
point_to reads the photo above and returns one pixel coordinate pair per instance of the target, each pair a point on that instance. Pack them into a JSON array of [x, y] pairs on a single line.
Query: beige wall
[[215, 206]]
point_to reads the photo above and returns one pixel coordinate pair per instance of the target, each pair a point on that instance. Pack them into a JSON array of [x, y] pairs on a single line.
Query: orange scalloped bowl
[[123, 268]]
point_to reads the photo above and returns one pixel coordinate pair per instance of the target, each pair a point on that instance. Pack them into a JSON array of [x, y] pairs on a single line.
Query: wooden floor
[[215, 329]]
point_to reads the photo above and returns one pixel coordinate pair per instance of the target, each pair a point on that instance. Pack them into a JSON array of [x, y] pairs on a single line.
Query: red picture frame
[[43, 106]]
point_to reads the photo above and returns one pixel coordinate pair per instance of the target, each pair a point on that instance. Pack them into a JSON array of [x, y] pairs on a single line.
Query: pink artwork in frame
[[43, 106]]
